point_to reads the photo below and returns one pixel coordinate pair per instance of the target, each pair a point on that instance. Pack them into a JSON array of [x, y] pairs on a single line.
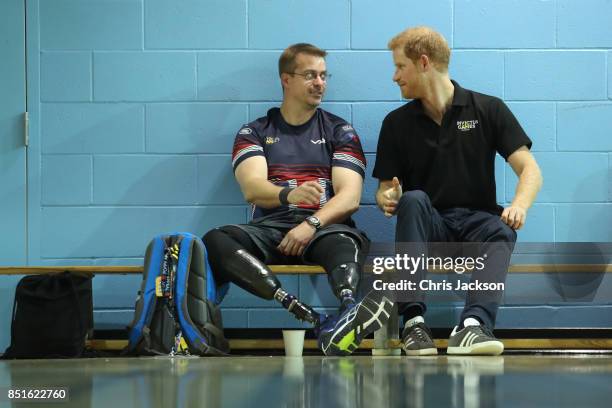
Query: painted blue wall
[[135, 104]]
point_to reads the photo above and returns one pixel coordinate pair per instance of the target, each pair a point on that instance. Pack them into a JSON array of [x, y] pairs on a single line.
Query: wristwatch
[[314, 221]]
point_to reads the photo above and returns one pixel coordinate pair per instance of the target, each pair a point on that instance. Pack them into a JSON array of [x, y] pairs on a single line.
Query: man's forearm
[[338, 209], [530, 182], [262, 193]]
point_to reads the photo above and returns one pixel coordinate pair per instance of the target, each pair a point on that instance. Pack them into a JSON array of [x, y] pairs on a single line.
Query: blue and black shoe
[[341, 335]]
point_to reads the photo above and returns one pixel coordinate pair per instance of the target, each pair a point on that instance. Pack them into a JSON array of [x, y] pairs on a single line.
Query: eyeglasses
[[312, 75]]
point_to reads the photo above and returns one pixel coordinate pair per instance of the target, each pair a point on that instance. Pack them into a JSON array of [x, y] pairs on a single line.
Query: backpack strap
[[187, 264], [182, 272], [223, 348], [145, 305]]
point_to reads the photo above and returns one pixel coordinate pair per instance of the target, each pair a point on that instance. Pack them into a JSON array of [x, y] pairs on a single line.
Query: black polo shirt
[[453, 163]]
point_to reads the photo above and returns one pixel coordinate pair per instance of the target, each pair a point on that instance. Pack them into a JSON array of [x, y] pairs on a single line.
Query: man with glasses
[[435, 165], [302, 170]]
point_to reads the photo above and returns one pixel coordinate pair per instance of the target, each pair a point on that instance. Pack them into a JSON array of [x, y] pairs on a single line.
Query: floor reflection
[[357, 381]]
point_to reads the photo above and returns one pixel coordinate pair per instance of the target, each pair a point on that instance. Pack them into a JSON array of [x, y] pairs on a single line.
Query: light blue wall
[[134, 105], [139, 102]]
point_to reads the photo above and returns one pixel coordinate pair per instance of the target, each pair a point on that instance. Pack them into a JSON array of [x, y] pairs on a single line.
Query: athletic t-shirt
[[297, 154]]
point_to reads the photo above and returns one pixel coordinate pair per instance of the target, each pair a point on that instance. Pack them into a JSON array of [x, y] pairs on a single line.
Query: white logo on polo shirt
[[465, 125]]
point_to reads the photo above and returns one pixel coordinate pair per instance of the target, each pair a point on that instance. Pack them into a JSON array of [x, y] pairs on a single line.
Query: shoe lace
[[346, 306], [420, 332], [485, 330]]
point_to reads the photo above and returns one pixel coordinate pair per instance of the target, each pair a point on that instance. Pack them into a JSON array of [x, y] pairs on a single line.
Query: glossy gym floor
[[524, 380]]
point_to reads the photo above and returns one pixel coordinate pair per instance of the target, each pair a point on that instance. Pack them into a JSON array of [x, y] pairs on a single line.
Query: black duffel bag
[[52, 316]]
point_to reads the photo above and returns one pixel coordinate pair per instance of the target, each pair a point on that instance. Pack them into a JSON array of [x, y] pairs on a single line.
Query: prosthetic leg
[[255, 277], [344, 280]]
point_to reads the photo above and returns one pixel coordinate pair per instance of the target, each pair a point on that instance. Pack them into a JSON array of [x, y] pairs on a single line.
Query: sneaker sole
[[421, 352], [372, 313], [489, 348]]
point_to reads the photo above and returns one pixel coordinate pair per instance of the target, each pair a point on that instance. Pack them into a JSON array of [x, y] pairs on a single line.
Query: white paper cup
[[294, 342]]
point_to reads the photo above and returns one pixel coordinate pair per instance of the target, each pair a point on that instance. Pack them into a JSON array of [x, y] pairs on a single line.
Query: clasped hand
[[514, 216], [390, 198], [296, 240]]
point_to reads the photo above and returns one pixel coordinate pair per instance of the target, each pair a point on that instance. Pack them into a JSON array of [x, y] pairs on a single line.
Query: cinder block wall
[[135, 104]]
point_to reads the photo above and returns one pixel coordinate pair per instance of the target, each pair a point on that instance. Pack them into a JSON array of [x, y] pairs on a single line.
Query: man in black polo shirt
[[440, 149]]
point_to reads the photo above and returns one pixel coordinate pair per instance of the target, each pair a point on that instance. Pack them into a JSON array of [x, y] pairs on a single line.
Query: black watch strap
[[283, 195]]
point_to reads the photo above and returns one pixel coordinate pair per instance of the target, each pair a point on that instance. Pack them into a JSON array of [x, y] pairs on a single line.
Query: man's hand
[[390, 197], [307, 193], [514, 216], [296, 239]]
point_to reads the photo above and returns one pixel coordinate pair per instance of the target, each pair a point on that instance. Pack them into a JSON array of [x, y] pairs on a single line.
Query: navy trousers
[[419, 222]]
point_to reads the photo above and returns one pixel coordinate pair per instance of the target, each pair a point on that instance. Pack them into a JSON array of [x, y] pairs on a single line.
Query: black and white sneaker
[[417, 339], [474, 340]]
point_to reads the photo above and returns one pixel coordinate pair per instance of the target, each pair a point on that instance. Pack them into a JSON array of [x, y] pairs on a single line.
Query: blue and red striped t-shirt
[[296, 154]]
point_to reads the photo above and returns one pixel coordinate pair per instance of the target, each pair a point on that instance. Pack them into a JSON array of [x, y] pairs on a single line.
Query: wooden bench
[[385, 341], [286, 269]]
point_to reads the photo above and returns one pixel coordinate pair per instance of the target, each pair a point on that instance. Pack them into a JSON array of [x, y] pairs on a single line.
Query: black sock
[[412, 311]]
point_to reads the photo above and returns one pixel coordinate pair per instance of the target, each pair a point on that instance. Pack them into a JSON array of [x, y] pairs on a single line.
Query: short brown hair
[[286, 62], [417, 41]]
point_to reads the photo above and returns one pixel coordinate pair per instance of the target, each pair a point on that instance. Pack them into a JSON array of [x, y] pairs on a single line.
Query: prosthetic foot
[[300, 310]]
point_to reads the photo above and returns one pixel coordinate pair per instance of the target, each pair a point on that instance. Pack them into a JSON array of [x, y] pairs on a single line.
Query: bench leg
[[390, 331]]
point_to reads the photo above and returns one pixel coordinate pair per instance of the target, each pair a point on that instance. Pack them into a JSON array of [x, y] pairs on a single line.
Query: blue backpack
[[176, 308]]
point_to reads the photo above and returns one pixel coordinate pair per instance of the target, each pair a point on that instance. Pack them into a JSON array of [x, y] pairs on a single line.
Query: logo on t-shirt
[[320, 141], [465, 125], [245, 131], [272, 140]]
